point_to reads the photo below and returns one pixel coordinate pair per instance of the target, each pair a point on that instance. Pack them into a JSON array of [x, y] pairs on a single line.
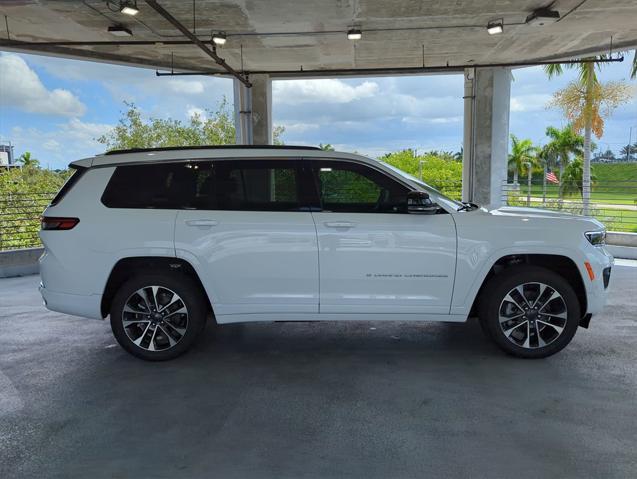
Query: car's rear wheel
[[530, 312], [156, 317]]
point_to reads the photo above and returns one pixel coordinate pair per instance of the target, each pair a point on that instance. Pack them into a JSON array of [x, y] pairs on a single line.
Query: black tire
[[493, 302], [191, 323]]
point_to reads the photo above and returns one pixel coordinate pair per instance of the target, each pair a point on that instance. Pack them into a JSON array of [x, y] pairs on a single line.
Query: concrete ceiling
[[289, 35]]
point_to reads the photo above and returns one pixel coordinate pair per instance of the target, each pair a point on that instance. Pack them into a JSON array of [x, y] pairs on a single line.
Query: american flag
[[550, 176]]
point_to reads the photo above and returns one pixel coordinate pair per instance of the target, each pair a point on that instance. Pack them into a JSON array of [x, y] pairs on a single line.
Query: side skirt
[[273, 317]]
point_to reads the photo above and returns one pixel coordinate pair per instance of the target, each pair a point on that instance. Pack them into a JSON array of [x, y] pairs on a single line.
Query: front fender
[[475, 262]]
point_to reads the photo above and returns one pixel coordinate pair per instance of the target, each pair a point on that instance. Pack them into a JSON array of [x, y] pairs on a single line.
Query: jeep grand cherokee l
[[161, 239]]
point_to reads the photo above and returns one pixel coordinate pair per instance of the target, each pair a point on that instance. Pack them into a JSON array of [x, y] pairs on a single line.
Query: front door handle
[[339, 224], [202, 223]]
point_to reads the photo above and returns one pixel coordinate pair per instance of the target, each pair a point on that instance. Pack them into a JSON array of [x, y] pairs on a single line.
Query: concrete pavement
[[284, 400]]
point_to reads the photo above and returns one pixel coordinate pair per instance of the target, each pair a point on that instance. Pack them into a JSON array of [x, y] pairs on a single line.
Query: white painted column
[[486, 134]]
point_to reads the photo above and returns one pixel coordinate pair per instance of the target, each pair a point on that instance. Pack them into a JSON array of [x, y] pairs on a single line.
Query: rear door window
[[239, 185], [250, 185]]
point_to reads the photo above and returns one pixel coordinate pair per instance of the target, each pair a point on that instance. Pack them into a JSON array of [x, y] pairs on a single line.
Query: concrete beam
[[486, 134]]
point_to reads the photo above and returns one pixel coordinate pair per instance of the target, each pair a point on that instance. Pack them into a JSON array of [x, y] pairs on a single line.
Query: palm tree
[[581, 102], [573, 178], [628, 151], [522, 152], [563, 143], [27, 160]]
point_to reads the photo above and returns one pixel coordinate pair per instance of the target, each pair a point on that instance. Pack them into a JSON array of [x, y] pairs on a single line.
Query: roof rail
[[212, 147]]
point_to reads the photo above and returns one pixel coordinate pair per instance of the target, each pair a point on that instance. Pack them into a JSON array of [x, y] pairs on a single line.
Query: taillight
[[53, 223]]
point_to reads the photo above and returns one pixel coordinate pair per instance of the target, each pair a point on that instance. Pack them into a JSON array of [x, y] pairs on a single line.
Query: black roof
[[213, 147]]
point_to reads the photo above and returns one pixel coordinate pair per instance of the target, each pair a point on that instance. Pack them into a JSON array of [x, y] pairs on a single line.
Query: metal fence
[[614, 203], [20, 219]]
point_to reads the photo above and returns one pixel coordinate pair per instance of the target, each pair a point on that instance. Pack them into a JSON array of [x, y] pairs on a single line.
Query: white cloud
[[530, 102], [51, 145], [186, 87], [443, 120], [21, 87], [321, 91], [297, 127], [159, 97], [82, 132], [192, 110], [66, 142]]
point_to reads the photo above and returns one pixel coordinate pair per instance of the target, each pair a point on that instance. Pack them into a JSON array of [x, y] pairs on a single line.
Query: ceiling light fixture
[[542, 16], [128, 8], [219, 38], [119, 31], [354, 34], [495, 27]]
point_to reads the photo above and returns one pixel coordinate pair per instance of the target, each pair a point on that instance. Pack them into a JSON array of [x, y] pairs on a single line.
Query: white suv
[[160, 239]]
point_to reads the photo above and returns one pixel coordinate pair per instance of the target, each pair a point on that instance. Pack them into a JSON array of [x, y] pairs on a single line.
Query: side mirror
[[418, 202]]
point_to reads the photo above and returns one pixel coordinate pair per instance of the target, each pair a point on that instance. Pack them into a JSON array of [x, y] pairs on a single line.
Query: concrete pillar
[[486, 134], [253, 111]]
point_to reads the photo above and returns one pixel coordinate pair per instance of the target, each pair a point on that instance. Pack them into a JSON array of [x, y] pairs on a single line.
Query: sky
[[57, 108]]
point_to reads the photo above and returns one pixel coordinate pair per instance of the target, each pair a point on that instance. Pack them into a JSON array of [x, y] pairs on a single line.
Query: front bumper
[[602, 263]]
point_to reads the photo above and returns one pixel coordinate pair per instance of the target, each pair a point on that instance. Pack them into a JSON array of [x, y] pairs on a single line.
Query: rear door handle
[[202, 223], [339, 224]]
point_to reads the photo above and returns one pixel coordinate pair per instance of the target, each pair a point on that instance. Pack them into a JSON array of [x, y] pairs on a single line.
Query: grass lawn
[[615, 184]]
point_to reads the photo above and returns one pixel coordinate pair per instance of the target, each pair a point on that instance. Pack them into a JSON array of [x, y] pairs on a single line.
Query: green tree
[[563, 143], [585, 102], [27, 160], [443, 173], [24, 193], [326, 147], [628, 151], [277, 134], [211, 128], [522, 152], [572, 182]]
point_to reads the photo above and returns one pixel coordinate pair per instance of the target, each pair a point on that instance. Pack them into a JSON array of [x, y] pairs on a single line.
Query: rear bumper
[[87, 306]]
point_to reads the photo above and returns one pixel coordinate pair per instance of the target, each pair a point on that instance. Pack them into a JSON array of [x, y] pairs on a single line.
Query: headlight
[[596, 238]]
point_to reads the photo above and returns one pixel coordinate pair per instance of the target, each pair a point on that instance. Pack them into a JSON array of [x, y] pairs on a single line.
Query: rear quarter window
[[72, 181], [160, 186]]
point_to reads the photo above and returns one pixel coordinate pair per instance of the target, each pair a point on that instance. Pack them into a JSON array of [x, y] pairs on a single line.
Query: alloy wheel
[[155, 318], [533, 315]]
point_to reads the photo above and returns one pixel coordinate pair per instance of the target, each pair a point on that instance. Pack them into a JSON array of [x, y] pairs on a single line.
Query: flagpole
[[544, 184]]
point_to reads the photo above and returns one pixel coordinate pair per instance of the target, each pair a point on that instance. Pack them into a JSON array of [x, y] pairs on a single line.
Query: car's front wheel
[[157, 317], [529, 312]]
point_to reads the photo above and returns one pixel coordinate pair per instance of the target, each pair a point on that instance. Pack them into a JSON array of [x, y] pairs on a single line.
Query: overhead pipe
[[397, 70], [187, 33]]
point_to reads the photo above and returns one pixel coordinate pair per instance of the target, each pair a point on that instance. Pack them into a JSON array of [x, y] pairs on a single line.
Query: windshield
[[428, 188]]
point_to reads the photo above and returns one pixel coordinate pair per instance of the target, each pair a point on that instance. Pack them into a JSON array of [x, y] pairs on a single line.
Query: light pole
[[528, 183], [630, 138]]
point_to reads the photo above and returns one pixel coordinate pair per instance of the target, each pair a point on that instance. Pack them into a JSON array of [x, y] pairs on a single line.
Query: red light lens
[[51, 223]]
